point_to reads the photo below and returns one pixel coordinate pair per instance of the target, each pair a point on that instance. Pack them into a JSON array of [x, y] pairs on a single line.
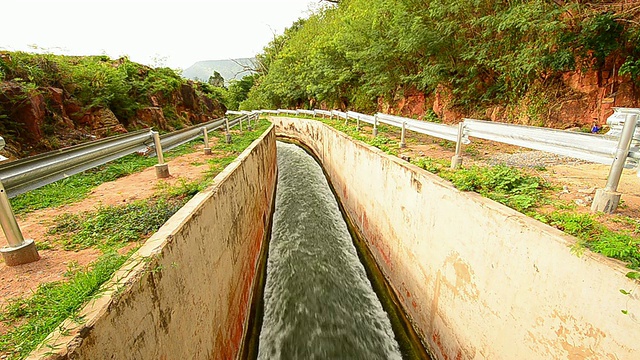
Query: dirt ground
[[21, 280], [577, 184]]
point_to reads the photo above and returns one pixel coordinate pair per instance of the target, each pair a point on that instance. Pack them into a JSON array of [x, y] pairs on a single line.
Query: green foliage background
[[484, 51]]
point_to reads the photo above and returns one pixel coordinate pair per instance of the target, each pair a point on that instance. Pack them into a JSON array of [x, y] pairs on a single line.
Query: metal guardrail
[[423, 127], [306, 112], [339, 114], [617, 151], [286, 111], [33, 172], [589, 147], [322, 112], [362, 117]]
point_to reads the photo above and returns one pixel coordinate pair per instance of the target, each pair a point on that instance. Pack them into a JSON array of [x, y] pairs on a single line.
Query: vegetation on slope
[[363, 53], [46, 99]]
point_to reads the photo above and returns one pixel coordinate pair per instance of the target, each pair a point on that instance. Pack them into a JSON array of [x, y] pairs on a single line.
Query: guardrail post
[[375, 125], [241, 123], [346, 120], [456, 160], [358, 123], [249, 127], [207, 148], [227, 133], [606, 200], [402, 135], [19, 251], [162, 169]]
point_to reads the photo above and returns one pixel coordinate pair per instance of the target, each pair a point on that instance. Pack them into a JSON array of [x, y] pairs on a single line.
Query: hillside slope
[[534, 62], [49, 101]]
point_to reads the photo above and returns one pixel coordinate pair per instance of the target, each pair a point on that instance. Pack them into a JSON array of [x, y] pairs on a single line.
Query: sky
[[157, 33]]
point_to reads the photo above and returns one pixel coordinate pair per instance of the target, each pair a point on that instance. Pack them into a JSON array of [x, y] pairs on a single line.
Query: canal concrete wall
[[186, 293], [477, 279]]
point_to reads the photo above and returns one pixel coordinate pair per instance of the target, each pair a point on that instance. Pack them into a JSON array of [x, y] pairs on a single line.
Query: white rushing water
[[318, 301]]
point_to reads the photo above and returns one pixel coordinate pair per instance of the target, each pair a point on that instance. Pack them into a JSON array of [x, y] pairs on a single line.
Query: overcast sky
[[171, 33]]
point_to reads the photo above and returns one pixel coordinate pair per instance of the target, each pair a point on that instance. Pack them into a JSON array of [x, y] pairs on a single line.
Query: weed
[[446, 144], [431, 165], [582, 226], [597, 237], [35, 317], [504, 184], [113, 225], [471, 150], [431, 116]]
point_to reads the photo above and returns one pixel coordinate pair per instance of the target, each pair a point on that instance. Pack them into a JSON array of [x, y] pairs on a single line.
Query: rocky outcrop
[[25, 107], [579, 99], [43, 119], [103, 122], [152, 117]]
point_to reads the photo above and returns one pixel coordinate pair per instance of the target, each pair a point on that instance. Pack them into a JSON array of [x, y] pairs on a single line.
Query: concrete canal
[[318, 301]]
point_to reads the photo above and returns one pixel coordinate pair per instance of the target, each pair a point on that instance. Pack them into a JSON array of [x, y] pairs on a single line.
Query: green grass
[[506, 185], [40, 314], [593, 235], [112, 226]]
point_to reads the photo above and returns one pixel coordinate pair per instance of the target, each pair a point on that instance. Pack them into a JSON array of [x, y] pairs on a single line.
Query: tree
[[239, 90], [216, 80]]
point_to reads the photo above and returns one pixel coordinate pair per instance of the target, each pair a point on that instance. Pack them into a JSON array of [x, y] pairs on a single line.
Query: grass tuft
[[40, 314]]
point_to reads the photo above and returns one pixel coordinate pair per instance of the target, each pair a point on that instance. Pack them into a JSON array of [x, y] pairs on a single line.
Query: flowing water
[[318, 301]]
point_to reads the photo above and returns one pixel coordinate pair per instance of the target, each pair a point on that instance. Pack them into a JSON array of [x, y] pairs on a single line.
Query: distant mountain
[[229, 69]]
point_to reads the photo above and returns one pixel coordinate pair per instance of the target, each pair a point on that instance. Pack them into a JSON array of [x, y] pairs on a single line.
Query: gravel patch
[[532, 159]]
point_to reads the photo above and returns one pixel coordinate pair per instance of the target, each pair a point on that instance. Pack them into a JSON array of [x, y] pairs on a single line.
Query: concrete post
[[402, 135], [606, 200], [162, 169], [19, 251], [228, 134], [207, 148], [375, 125], [456, 160]]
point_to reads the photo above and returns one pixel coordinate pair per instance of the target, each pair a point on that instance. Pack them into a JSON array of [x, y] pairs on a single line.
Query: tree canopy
[[361, 52]]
